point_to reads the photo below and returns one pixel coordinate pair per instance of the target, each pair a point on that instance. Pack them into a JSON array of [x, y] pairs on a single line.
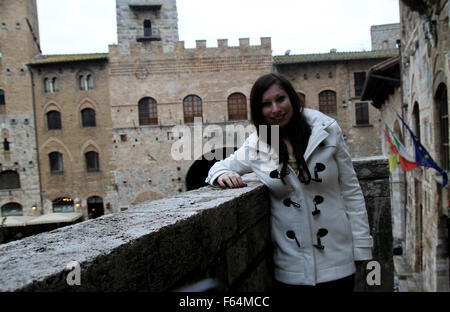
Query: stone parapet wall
[[182, 60], [172, 243], [373, 175], [159, 246]]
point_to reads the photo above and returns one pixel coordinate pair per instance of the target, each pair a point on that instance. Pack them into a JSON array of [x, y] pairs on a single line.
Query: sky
[[301, 26]]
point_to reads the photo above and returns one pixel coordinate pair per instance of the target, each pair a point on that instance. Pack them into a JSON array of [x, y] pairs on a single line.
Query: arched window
[[54, 85], [88, 118], [442, 105], [86, 80], [9, 180], [51, 83], [56, 163], [63, 204], [192, 107], [148, 111], [12, 209], [237, 107], [147, 28], [90, 81], [92, 163], [327, 103], [54, 120], [416, 121]]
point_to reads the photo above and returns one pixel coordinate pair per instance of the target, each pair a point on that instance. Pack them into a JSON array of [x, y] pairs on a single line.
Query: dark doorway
[[95, 207], [198, 172]]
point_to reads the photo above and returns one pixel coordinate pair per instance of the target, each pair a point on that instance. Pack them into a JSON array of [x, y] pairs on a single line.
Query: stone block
[[260, 279], [246, 249], [259, 201], [375, 188], [371, 168]]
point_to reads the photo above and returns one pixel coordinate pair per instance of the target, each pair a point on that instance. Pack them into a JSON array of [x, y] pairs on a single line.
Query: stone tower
[[19, 173], [19, 42], [385, 36], [145, 21]]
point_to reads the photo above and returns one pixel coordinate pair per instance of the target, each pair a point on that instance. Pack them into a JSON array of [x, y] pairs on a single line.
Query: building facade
[[332, 83], [108, 128], [73, 121], [19, 166], [421, 202]]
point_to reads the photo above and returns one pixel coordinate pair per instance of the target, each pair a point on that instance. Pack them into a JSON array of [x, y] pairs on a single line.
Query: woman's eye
[[266, 104], [281, 99]]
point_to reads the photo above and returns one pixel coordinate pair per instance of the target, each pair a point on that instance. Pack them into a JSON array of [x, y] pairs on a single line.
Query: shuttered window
[[9, 180], [56, 163], [237, 107], [148, 111], [192, 107], [88, 118], [362, 113], [92, 163], [327, 103], [54, 120], [359, 78]]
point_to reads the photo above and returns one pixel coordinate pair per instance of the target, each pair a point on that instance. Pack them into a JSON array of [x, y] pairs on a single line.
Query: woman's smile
[[276, 106]]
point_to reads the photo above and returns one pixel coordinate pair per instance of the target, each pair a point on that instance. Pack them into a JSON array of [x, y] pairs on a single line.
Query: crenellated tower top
[[146, 21]]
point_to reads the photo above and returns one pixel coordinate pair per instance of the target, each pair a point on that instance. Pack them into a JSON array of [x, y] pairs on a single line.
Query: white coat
[[332, 201]]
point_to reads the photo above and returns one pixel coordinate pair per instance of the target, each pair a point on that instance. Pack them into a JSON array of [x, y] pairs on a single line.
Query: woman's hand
[[231, 180]]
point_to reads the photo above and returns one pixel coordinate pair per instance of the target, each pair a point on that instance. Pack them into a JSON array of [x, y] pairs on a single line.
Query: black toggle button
[[317, 201], [291, 235], [287, 202], [274, 174], [320, 233], [319, 168]]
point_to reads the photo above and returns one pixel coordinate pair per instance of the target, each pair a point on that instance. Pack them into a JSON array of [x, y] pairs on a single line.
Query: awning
[[381, 81], [58, 217], [11, 221]]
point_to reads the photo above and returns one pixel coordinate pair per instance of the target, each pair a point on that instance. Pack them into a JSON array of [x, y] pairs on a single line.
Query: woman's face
[[276, 106]]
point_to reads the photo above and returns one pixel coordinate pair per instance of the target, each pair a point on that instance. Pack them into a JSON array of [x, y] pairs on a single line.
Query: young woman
[[319, 223]]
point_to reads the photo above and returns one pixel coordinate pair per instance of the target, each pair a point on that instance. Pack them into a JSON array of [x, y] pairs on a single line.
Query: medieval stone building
[[101, 128], [415, 85], [19, 165]]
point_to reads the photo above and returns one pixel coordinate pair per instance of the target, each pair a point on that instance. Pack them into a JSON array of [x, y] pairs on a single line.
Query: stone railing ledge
[[39, 262]]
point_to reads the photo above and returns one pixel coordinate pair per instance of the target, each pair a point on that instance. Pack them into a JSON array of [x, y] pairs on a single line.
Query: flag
[[423, 158], [407, 162], [393, 154]]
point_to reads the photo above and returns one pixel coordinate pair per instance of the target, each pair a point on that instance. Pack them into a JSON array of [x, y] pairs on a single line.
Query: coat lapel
[[316, 138]]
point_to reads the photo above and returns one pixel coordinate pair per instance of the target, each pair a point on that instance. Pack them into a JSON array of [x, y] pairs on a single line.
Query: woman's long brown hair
[[297, 130]]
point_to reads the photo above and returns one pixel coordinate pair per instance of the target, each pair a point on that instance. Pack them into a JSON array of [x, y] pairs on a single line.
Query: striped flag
[[407, 162], [393, 155]]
